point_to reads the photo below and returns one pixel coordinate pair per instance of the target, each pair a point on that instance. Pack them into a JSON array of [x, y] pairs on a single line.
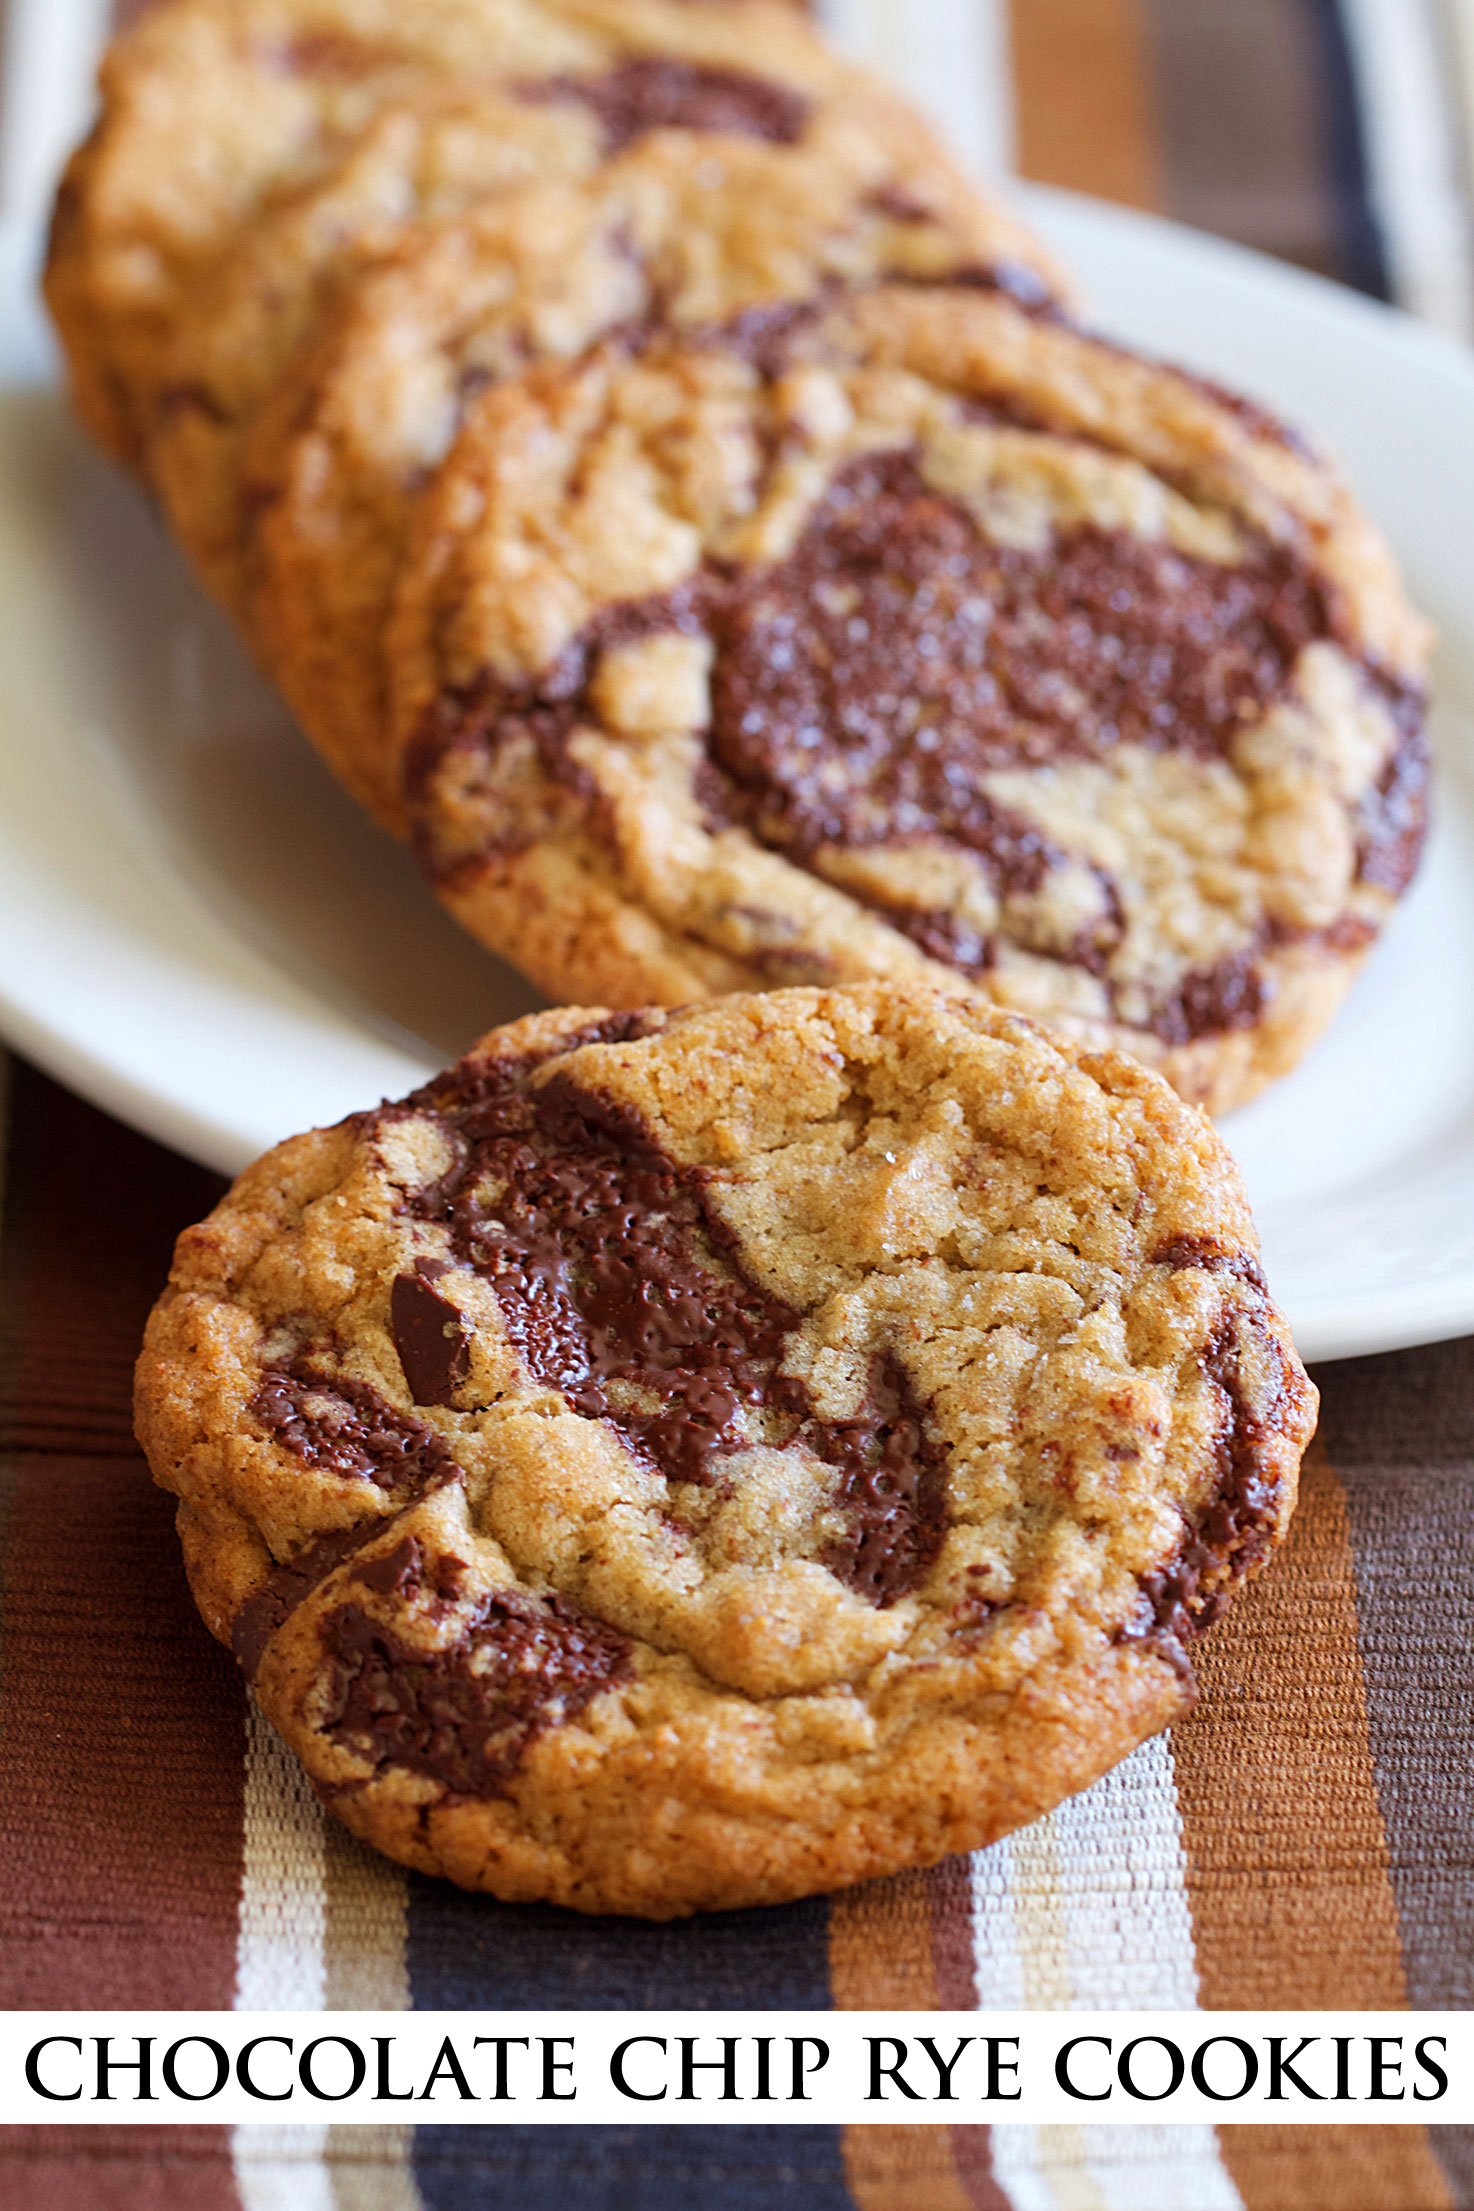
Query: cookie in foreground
[[685, 1460]]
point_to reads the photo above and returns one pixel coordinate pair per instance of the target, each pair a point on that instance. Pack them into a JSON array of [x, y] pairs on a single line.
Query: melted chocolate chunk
[[1207, 1001], [621, 1288], [892, 1491], [864, 687], [466, 1716], [1199, 1251], [766, 336], [1394, 814], [429, 1335], [339, 1426], [1236, 1530], [403, 1572], [285, 1587], [650, 94]]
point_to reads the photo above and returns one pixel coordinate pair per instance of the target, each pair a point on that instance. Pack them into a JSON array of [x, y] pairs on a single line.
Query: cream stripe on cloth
[[951, 56], [1087, 1910], [321, 1927], [1112, 2169], [1402, 53], [282, 2168], [1456, 19], [283, 1910]]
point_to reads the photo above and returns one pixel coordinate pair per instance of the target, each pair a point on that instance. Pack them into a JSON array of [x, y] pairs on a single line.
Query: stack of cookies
[[693, 1458]]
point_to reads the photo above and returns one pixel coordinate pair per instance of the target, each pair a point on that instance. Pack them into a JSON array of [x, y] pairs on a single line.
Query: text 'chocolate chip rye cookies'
[[685, 1460], [698, 1457]]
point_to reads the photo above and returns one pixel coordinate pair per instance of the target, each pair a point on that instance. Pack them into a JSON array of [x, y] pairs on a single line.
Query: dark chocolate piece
[[1394, 813], [621, 1288], [466, 1716], [649, 93], [1198, 1251], [430, 1337], [863, 684], [340, 1426], [1207, 1001], [285, 1587], [892, 1491], [403, 1572], [863, 687], [1235, 1531]]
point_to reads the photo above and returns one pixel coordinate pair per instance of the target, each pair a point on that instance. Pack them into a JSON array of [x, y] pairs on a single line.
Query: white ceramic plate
[[199, 932]]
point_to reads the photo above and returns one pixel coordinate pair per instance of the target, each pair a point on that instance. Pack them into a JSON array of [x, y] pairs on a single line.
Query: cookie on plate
[[675, 1461], [920, 635], [685, 229]]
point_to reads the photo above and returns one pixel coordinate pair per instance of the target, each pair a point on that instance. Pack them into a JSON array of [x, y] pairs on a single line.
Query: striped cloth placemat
[[1336, 133], [1306, 1840]]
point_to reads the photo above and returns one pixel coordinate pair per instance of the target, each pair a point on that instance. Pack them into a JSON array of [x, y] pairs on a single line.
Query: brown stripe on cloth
[[1360, 2168], [1242, 141], [116, 2169], [905, 1944], [89, 1231], [1261, 136], [921, 2169], [369, 2168], [1287, 1855], [1085, 115], [121, 1723], [1401, 1432]]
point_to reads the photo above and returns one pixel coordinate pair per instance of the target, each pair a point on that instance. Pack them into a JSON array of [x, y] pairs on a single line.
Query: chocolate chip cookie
[[917, 634], [684, 229], [675, 1461]]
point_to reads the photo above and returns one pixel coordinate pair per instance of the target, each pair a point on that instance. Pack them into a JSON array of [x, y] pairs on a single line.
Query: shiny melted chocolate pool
[[863, 687], [620, 1287]]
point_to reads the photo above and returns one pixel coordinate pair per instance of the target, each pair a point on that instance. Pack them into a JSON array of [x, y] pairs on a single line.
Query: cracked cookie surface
[[918, 634], [682, 230], [251, 154], [685, 1460]]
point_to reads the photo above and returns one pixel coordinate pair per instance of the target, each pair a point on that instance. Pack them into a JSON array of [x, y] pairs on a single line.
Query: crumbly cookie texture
[[683, 228], [676, 1461], [251, 151], [924, 635], [215, 112]]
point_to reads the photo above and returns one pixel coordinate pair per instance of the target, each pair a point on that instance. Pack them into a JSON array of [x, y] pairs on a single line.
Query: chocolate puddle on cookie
[[863, 688], [464, 1714], [336, 1425], [621, 1288], [650, 93], [1235, 1530]]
